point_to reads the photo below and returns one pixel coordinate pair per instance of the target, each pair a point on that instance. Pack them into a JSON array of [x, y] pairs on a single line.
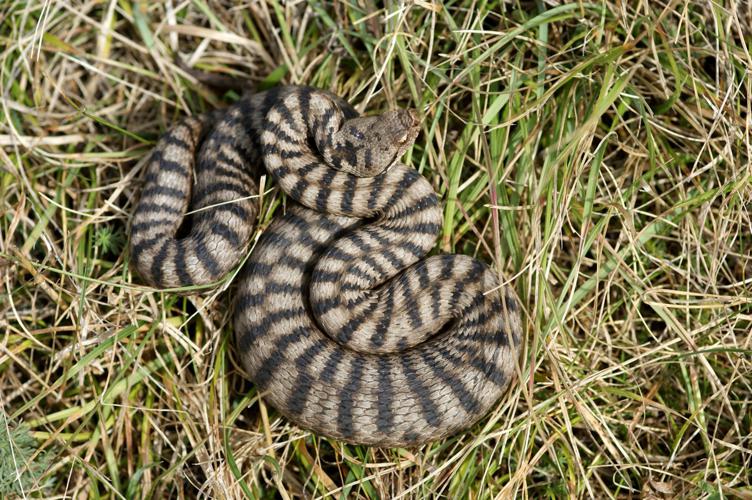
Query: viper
[[341, 321]]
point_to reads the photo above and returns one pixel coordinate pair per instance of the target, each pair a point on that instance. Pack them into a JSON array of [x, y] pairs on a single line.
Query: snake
[[343, 318]]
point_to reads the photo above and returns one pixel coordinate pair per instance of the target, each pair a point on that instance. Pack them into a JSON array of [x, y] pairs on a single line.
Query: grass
[[598, 154]]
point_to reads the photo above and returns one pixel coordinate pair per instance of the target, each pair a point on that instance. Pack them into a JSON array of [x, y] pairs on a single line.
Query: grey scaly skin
[[337, 310]]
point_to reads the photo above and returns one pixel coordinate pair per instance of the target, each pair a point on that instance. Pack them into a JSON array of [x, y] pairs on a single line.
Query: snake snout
[[410, 118], [407, 126]]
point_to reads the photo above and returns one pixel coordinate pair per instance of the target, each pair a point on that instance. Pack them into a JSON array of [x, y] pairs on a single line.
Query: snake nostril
[[414, 121]]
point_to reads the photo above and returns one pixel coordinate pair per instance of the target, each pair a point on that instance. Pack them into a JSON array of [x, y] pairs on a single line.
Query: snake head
[[366, 146]]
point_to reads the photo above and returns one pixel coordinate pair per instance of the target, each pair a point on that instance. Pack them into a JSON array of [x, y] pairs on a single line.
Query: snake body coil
[[340, 320]]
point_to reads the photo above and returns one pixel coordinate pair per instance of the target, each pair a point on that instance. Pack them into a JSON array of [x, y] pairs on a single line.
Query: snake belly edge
[[341, 321]]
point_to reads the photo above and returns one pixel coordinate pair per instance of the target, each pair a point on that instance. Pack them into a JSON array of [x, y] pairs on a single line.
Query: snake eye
[[357, 134]]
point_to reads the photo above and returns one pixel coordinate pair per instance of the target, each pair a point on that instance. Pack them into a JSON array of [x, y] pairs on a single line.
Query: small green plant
[[21, 464], [109, 240]]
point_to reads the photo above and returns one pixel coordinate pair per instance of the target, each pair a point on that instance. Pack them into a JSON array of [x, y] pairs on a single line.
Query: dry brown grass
[[598, 154]]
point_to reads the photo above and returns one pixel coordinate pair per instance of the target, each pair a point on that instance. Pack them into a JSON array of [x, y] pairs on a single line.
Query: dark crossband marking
[[323, 187], [488, 369], [385, 415], [429, 410], [169, 166], [140, 248], [151, 207], [175, 140], [226, 232], [163, 192], [466, 398], [158, 262], [297, 401], [346, 403], [382, 327], [352, 326], [180, 266], [416, 320], [331, 366], [266, 369], [376, 190], [207, 259]]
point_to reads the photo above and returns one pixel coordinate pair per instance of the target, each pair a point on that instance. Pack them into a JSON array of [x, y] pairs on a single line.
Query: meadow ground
[[597, 154]]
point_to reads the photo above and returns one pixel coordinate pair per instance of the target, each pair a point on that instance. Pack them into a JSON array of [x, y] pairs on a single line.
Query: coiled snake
[[340, 324]]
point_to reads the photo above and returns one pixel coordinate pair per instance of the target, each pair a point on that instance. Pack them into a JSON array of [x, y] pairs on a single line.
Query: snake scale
[[343, 323]]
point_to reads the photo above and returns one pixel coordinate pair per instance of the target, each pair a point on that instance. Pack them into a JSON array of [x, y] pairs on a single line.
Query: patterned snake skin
[[340, 321]]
